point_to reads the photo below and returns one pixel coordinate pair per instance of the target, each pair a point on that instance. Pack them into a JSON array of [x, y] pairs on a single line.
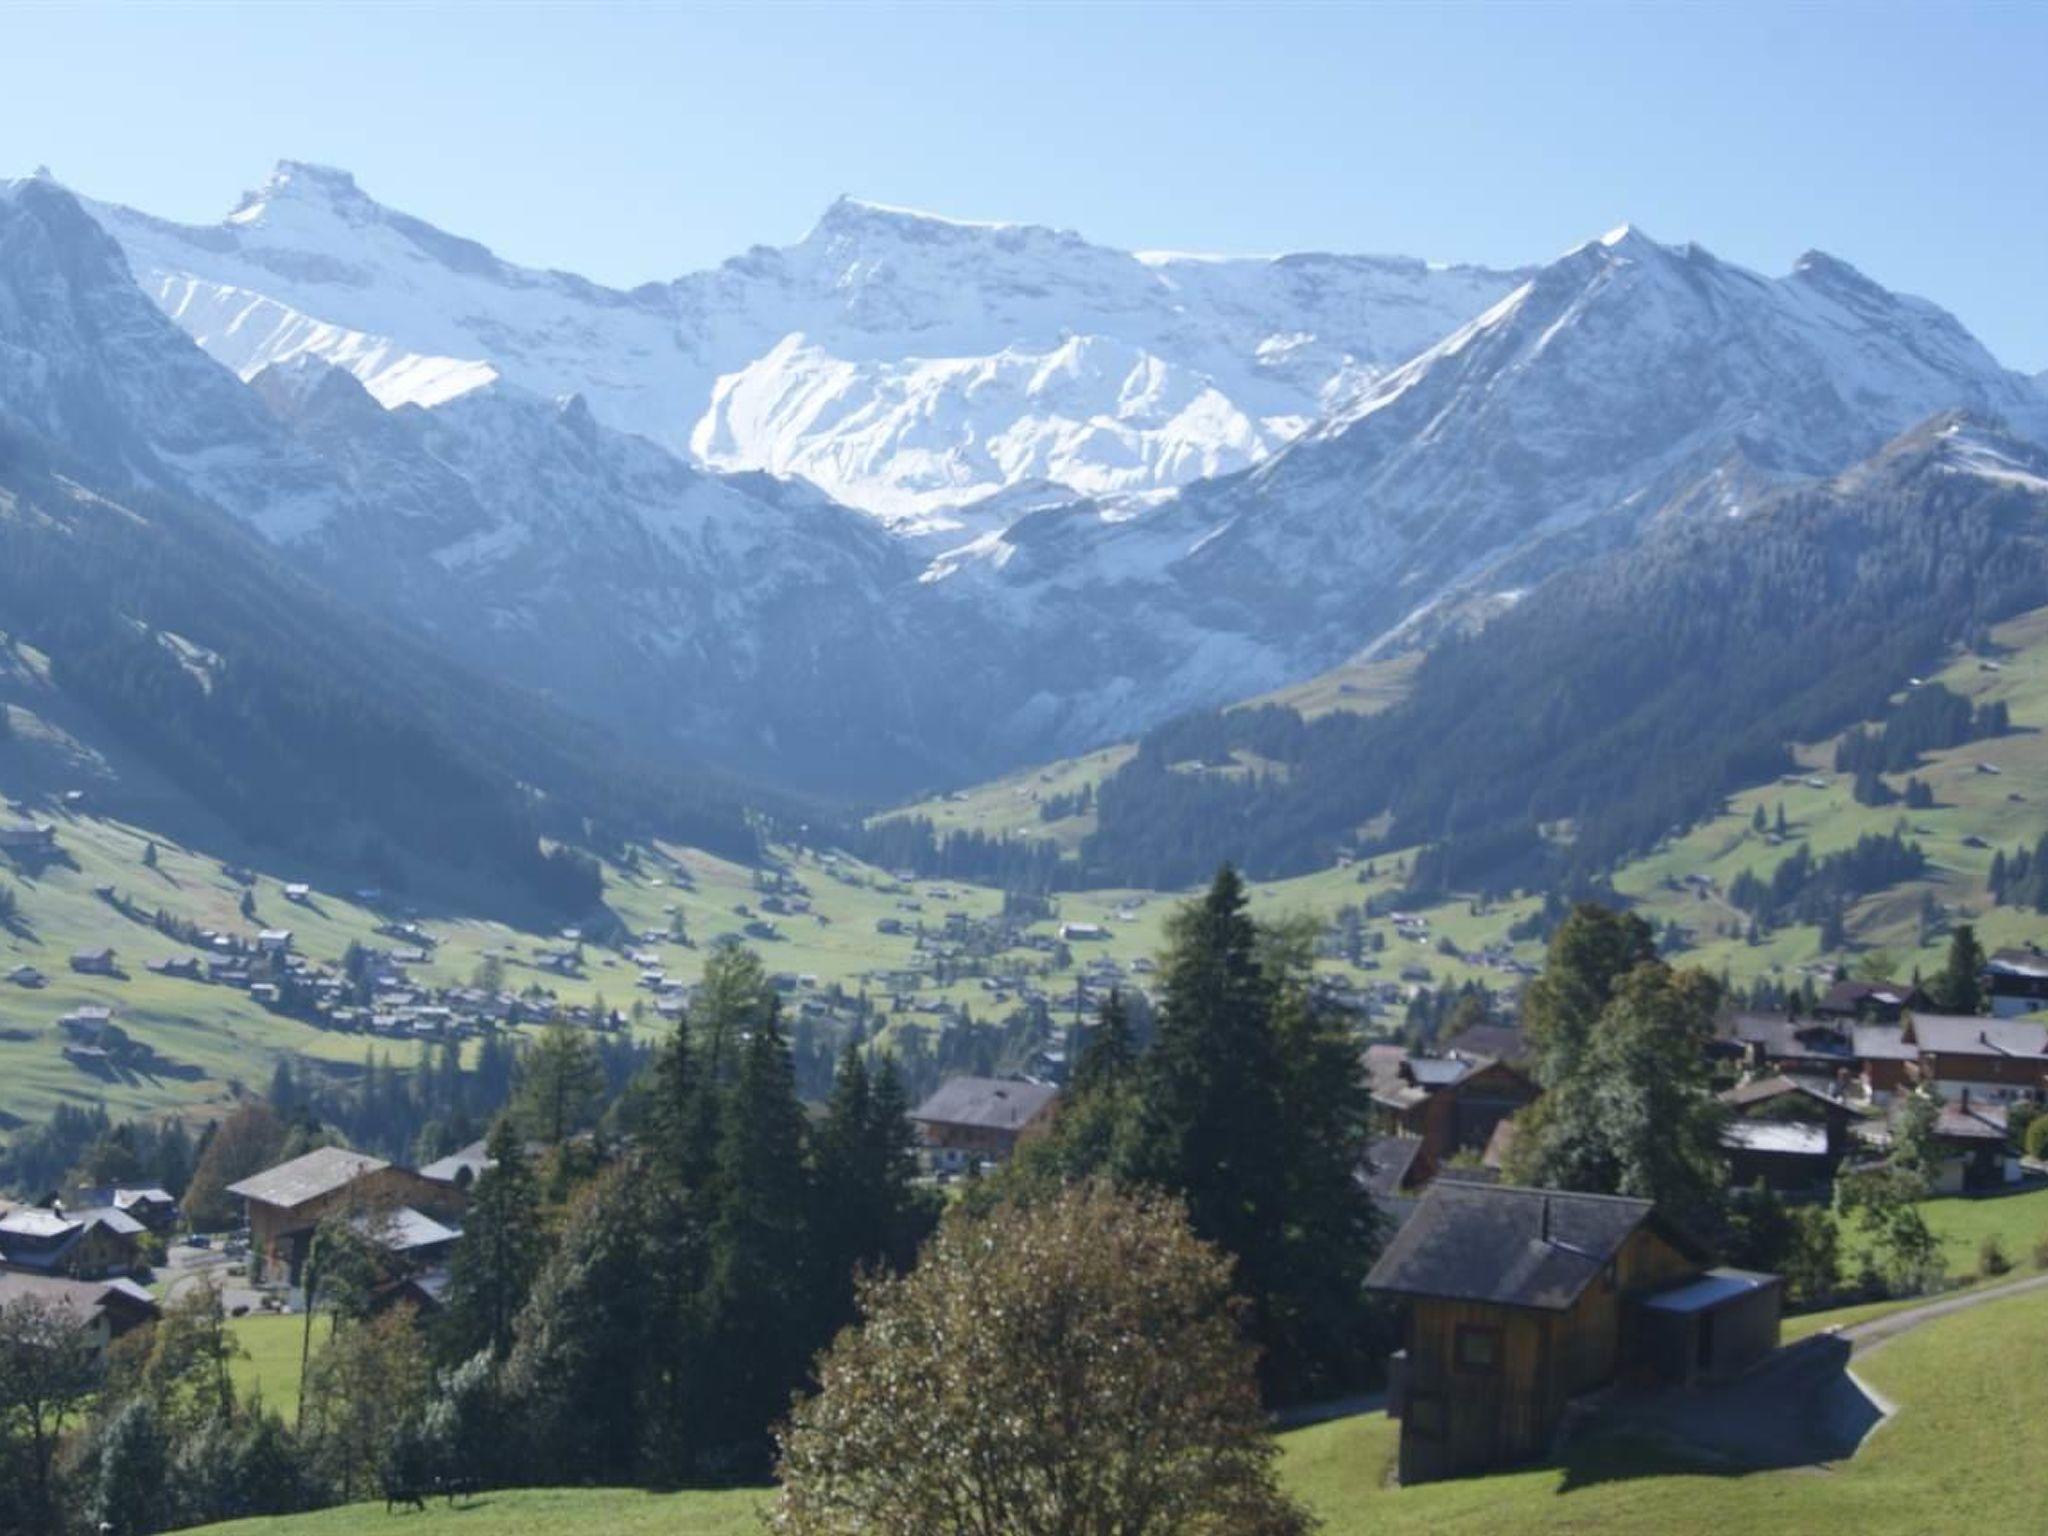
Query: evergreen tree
[[501, 1251], [131, 1485], [1210, 1126], [758, 1290], [1107, 1053], [580, 1349], [1960, 986], [560, 1085]]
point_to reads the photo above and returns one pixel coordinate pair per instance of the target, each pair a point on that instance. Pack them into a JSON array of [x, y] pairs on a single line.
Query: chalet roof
[[472, 1159], [1505, 1245], [36, 1221], [319, 1172], [1967, 1121], [1791, 1138], [987, 1103], [2030, 963], [1387, 1162], [1710, 1290], [113, 1219], [81, 1298], [1763, 1090], [1883, 1042], [1782, 1038], [1501, 1042], [1956, 1034], [404, 1229]]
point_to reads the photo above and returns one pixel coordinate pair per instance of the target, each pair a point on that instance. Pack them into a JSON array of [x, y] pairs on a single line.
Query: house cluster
[[1818, 1091], [1435, 1109], [100, 1236], [412, 1214]]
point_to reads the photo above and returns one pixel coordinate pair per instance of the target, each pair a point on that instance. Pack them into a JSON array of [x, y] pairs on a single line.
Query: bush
[[1992, 1259], [2037, 1137]]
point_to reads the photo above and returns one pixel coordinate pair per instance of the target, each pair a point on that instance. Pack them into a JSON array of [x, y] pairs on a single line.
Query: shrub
[[1992, 1259], [2037, 1137]]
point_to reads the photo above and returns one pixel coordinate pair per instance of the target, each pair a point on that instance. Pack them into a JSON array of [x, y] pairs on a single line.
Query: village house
[[1879, 1002], [105, 1309], [93, 962], [287, 1203], [2017, 981], [981, 1119], [1448, 1103], [1520, 1300], [28, 839], [2001, 1059], [1791, 1133], [84, 1245]]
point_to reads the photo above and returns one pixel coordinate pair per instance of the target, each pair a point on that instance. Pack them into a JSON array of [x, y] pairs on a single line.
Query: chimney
[[1545, 1231]]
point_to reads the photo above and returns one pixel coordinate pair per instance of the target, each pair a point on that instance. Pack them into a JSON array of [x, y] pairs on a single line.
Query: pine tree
[[1960, 986], [1757, 822], [1107, 1054], [758, 1295], [580, 1353], [560, 1086], [500, 1253], [131, 1486], [1210, 1127]]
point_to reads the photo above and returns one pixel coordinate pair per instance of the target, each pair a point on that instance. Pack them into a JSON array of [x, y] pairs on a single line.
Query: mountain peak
[[298, 182]]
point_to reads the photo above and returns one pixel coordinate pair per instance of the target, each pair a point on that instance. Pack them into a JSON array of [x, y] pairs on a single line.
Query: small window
[[1477, 1350], [1423, 1416]]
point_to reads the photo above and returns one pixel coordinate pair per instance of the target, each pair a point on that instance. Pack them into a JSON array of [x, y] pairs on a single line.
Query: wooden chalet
[[287, 1203], [104, 1309], [1447, 1103], [1998, 1059], [1520, 1300], [1792, 1133], [2017, 981], [982, 1118]]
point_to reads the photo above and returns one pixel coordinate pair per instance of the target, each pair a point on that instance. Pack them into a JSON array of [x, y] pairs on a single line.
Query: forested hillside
[[304, 726], [1619, 701]]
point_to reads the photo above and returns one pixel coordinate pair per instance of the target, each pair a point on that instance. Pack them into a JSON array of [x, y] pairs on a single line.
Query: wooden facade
[[1485, 1385]]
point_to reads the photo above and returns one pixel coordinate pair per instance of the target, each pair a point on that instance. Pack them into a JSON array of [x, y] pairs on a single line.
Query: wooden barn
[[1520, 1300]]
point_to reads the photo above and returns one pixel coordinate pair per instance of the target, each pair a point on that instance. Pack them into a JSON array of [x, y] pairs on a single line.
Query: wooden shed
[[1519, 1301]]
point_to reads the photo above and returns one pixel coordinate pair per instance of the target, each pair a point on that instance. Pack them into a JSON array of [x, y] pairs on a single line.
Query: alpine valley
[[915, 502]]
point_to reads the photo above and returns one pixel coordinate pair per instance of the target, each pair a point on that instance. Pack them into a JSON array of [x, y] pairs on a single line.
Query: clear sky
[[637, 142]]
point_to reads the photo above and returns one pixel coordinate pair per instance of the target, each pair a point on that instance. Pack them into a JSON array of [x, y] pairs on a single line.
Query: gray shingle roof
[[1506, 1245], [1956, 1034], [319, 1172], [988, 1103]]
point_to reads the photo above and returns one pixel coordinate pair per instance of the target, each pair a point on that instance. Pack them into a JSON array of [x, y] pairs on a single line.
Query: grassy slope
[[1964, 1453], [2005, 810]]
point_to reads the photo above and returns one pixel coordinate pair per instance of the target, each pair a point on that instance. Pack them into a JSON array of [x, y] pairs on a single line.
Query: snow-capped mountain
[[905, 363], [1362, 450], [1546, 428], [689, 610]]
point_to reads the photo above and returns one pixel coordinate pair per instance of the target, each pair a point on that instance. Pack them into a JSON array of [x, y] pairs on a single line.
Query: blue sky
[[632, 143]]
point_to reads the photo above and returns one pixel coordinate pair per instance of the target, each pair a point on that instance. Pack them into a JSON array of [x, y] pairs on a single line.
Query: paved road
[[1864, 1337]]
